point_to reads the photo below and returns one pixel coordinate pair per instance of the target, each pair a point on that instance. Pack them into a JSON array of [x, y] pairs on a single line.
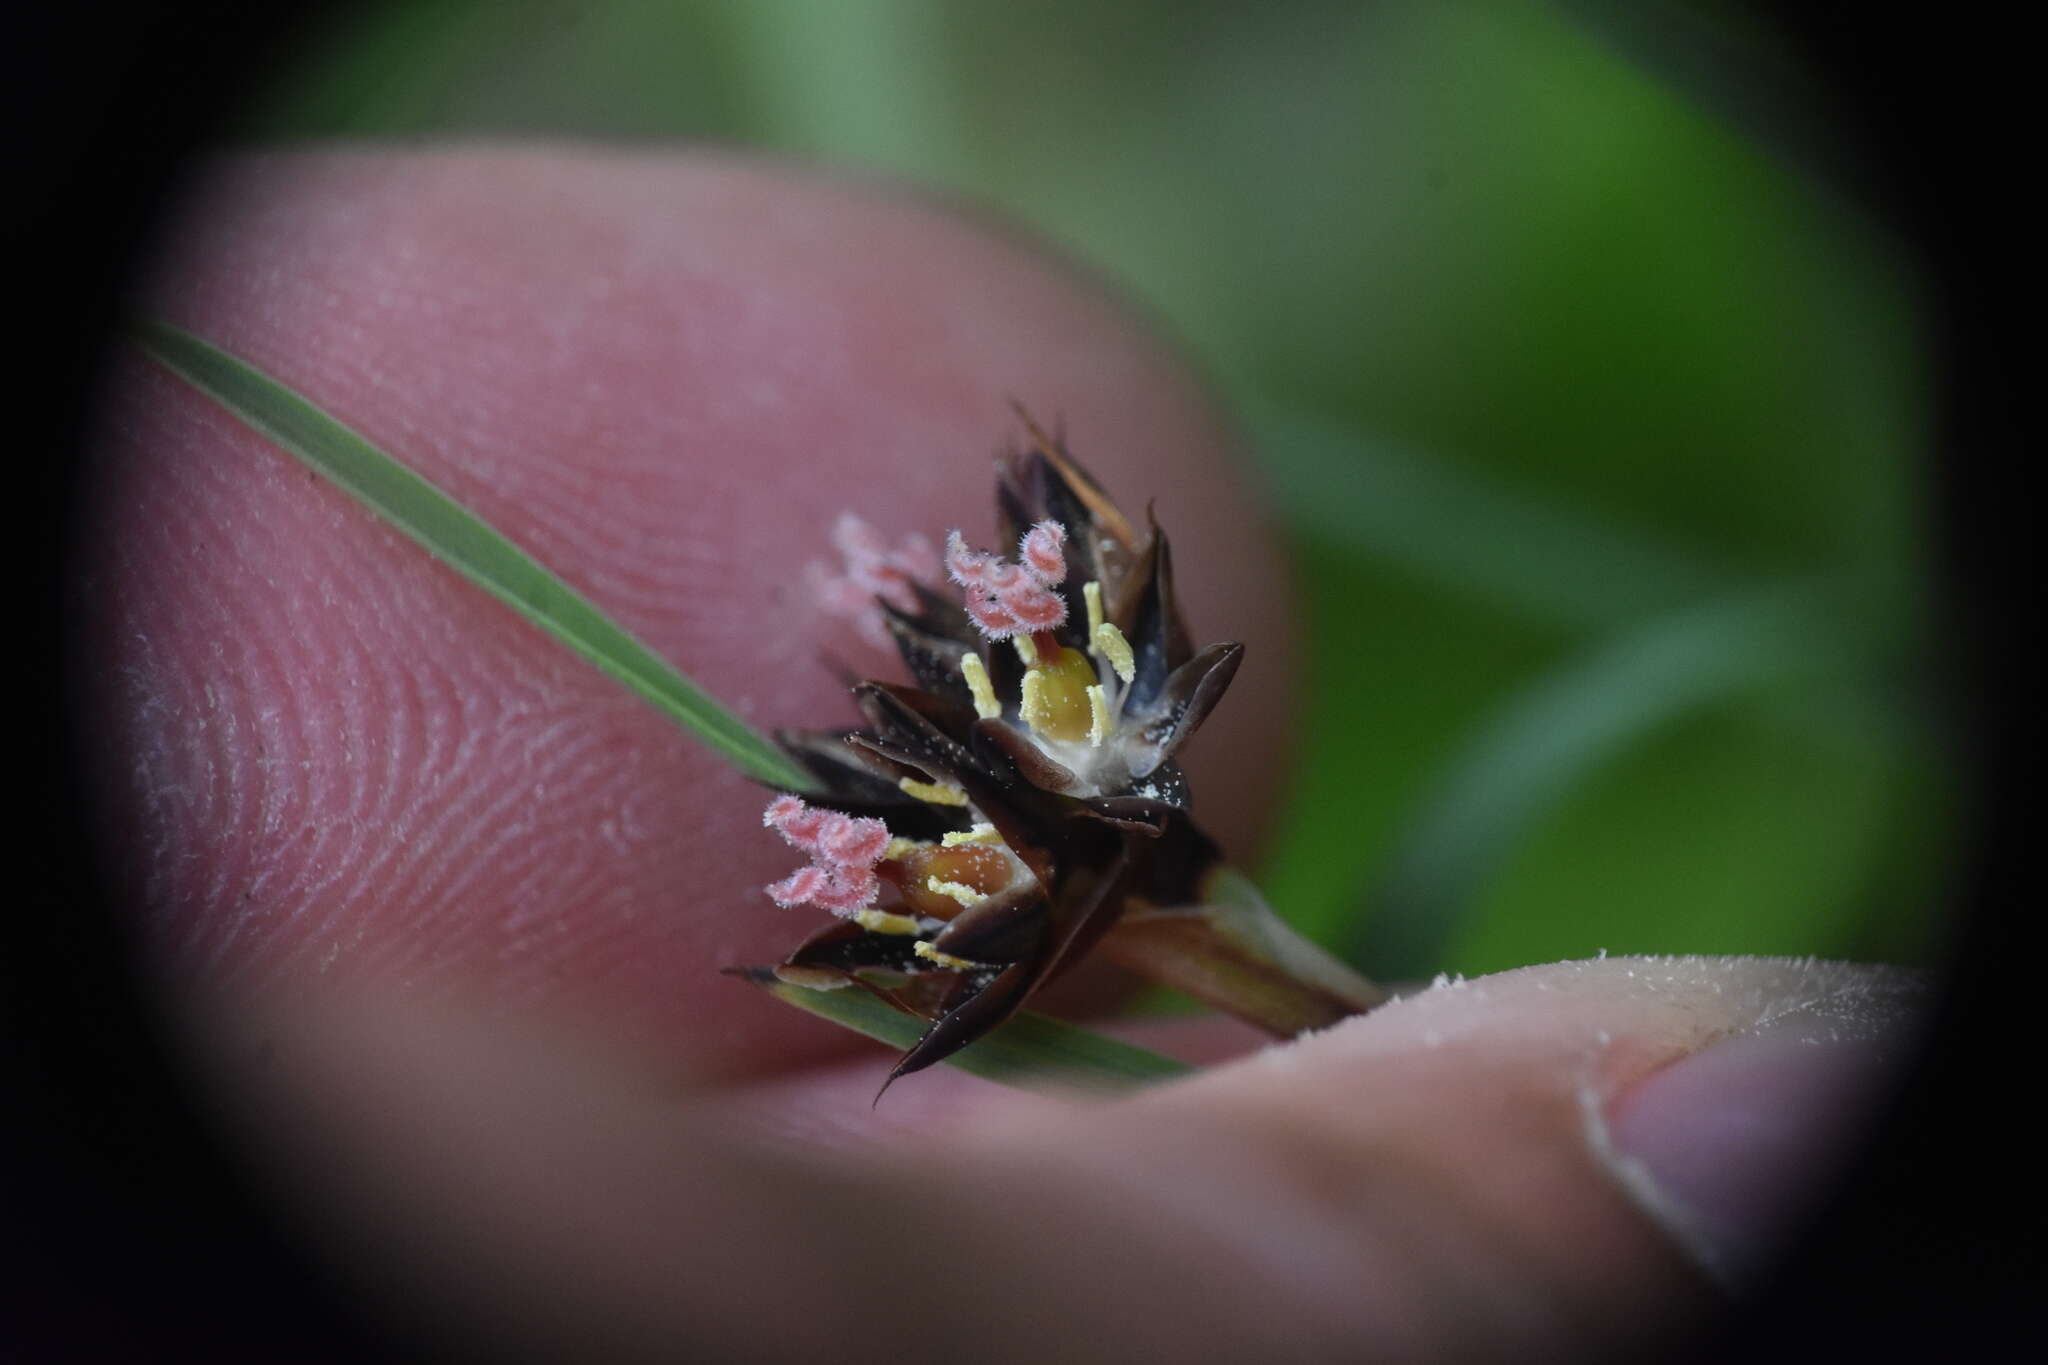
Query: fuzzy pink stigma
[[874, 569], [968, 568], [1005, 599], [844, 850], [1039, 551]]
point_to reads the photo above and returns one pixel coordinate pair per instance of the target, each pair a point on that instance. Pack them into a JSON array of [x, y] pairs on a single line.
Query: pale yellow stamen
[[1091, 593], [980, 834], [924, 949], [1098, 716], [882, 922], [1110, 643], [1037, 707], [937, 793], [1027, 650], [959, 891], [900, 848], [976, 672]]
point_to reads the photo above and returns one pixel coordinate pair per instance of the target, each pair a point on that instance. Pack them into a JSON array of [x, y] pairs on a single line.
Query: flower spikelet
[[1034, 802]]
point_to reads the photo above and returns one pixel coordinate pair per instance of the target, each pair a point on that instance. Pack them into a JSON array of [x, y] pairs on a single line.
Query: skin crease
[[442, 907]]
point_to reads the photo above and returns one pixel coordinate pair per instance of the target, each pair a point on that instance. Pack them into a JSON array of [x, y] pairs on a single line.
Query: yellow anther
[[923, 948], [900, 848], [1027, 649], [980, 834], [937, 793], [1035, 707], [1098, 716], [959, 891], [976, 672], [1110, 643], [882, 922], [1091, 593]]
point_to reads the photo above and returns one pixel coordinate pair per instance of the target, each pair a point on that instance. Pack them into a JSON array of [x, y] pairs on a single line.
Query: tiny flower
[[994, 821]]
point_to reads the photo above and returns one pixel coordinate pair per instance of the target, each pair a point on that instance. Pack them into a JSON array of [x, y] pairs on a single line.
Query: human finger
[[665, 376], [1445, 1179]]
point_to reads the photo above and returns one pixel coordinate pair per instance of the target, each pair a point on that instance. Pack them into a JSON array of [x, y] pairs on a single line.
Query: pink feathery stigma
[[968, 568], [1039, 551], [793, 820], [1005, 599], [844, 850], [849, 842], [838, 890], [1036, 608], [872, 569], [990, 617], [798, 887]]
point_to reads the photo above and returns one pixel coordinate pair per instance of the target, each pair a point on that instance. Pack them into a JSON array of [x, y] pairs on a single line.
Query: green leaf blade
[[465, 543], [1550, 737], [1029, 1051]]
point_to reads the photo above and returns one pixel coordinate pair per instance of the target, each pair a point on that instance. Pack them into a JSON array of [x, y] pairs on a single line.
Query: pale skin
[[445, 907]]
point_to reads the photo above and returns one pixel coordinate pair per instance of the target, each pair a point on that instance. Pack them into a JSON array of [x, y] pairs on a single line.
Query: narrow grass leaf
[[464, 542], [1559, 731], [1459, 527], [1030, 1051]]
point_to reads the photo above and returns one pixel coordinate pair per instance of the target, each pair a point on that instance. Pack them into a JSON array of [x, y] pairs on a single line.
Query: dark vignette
[[138, 1234], [142, 1234]]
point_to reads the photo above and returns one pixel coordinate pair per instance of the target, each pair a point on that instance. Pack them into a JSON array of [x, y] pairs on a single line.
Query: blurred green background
[[1594, 409]]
